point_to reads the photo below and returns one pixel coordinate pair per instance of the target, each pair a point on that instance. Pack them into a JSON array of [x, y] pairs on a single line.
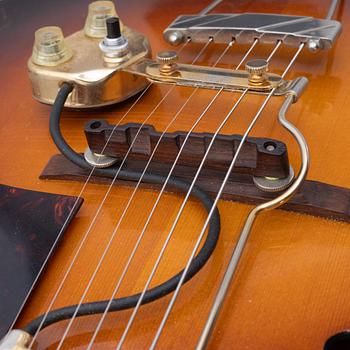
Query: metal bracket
[[246, 27], [213, 78]]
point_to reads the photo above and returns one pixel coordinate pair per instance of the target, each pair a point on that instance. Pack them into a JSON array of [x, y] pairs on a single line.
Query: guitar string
[[176, 293], [68, 219], [209, 8], [79, 197], [155, 204], [149, 161], [85, 236], [183, 205]]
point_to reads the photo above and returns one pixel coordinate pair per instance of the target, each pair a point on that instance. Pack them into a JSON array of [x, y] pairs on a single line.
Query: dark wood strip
[[314, 198]]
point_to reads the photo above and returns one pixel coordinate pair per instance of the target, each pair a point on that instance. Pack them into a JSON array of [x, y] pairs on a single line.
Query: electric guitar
[[194, 159]]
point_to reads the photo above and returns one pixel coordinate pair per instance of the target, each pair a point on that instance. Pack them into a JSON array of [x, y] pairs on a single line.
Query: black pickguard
[[30, 222]]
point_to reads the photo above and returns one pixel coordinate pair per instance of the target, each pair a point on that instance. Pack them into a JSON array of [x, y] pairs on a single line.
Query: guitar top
[[209, 142]]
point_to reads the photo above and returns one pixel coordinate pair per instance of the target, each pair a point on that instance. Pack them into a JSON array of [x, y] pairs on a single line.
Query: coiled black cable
[[156, 292]]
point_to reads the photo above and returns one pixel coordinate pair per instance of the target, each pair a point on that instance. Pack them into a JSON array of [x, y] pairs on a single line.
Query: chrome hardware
[[16, 340], [246, 27], [98, 160], [114, 46], [119, 67]]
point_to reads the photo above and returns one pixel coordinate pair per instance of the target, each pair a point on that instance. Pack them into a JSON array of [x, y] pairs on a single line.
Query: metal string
[[156, 202], [70, 214], [331, 11], [210, 7], [173, 299], [178, 216], [247, 53], [84, 238], [129, 202]]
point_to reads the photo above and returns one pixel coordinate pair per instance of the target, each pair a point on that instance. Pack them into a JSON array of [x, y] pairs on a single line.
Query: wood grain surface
[[292, 287]]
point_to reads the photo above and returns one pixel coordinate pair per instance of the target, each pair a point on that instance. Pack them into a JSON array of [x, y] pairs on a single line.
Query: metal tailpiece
[[246, 27]]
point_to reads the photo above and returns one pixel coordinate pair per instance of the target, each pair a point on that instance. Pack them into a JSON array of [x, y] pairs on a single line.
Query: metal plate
[[245, 28]]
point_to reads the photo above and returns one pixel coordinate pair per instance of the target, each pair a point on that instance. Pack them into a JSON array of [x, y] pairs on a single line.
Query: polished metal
[[167, 62], [246, 27], [332, 8], [257, 70], [274, 203], [210, 7], [212, 78], [99, 160], [16, 340], [271, 184], [96, 83], [115, 50]]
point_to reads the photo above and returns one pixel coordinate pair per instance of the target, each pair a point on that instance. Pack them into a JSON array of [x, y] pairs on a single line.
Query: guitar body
[[291, 290]]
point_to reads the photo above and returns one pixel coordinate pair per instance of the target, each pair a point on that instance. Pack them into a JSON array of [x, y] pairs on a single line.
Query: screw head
[[257, 66], [167, 57], [257, 69], [167, 61]]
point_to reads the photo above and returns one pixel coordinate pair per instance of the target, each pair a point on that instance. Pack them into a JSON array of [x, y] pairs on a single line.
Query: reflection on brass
[[95, 82], [211, 78], [257, 70], [167, 61]]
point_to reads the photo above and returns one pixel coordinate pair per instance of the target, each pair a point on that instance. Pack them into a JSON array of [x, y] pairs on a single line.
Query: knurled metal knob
[[167, 61], [257, 69]]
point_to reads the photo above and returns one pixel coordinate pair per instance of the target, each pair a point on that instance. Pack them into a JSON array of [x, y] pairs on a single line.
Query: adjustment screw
[[167, 61], [257, 71]]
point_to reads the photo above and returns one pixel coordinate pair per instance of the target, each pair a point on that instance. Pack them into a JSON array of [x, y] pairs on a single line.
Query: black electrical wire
[[157, 292]]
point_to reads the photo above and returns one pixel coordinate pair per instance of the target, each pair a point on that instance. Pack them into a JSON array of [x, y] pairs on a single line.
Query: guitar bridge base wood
[[313, 198]]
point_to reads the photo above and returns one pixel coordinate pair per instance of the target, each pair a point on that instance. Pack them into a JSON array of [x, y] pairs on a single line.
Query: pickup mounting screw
[[167, 61], [257, 71]]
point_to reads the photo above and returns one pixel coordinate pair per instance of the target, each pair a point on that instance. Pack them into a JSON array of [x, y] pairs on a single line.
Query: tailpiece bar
[[246, 27]]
